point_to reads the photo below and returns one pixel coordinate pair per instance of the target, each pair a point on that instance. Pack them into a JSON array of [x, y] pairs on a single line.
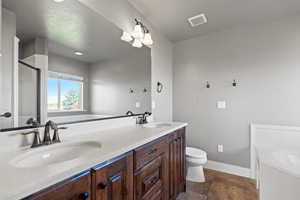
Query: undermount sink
[[55, 154], [157, 125]]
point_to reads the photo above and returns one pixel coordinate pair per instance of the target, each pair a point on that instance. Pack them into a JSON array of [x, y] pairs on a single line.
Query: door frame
[[15, 92]]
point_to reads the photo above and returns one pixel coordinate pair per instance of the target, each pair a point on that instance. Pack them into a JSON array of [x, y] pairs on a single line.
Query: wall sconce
[[126, 37], [207, 84], [140, 36], [234, 83]]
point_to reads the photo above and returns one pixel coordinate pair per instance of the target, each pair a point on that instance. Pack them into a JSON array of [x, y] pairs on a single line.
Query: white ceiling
[[170, 16], [69, 26]]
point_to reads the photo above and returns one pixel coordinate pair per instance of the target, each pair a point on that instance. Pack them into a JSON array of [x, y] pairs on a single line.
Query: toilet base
[[195, 174]]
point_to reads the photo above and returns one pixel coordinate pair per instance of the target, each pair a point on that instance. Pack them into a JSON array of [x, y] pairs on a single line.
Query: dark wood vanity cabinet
[[177, 169], [154, 171], [151, 176], [115, 181], [75, 188]]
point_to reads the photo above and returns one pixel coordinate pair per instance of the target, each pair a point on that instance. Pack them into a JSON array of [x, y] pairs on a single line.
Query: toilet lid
[[196, 153]]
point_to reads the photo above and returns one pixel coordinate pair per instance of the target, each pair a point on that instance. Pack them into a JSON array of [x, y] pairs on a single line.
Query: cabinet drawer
[[76, 188], [148, 152]]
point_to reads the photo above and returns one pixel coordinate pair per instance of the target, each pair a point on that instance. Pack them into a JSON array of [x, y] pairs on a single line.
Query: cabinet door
[[115, 181], [76, 188], [175, 171], [177, 163], [182, 162], [151, 181]]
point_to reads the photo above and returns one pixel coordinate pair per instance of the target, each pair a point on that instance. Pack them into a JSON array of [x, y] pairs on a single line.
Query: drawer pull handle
[[84, 195], [153, 151], [102, 185]]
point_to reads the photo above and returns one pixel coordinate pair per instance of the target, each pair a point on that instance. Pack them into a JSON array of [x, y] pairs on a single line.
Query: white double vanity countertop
[[25, 171]]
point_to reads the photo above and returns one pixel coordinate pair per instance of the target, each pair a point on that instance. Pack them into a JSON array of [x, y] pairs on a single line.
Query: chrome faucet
[[47, 138], [143, 118]]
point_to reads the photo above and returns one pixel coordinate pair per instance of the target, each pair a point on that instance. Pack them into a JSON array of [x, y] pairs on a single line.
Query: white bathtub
[[278, 173]]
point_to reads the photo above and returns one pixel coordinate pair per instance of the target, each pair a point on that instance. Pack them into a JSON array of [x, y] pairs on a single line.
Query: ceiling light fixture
[[140, 35], [58, 1], [78, 53]]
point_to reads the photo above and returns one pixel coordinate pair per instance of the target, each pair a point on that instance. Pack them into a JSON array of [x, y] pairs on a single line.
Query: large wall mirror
[[66, 63]]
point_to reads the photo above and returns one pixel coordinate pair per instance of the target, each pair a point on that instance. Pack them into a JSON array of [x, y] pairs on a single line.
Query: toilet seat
[[195, 153]]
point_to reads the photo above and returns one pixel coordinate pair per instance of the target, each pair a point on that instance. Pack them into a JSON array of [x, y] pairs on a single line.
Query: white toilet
[[195, 159]]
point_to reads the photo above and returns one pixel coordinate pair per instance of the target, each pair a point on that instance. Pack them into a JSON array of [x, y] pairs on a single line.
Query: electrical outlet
[[220, 148], [221, 104]]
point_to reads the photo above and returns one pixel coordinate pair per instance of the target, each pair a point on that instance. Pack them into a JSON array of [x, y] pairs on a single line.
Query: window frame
[[67, 77]]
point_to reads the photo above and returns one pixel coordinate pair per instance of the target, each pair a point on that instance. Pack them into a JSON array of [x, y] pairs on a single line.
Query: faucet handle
[[56, 138], [28, 133], [62, 128], [36, 140]]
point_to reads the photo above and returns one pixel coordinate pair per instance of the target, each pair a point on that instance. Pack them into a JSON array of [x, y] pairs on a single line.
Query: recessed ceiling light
[[58, 1], [78, 53]]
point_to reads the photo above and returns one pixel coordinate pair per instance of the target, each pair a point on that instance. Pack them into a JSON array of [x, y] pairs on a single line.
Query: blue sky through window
[[66, 88], [52, 94]]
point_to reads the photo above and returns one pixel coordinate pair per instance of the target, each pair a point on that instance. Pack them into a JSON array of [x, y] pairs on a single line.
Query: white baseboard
[[227, 168]]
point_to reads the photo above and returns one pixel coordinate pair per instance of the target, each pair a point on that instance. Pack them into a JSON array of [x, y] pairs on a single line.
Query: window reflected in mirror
[[65, 92]]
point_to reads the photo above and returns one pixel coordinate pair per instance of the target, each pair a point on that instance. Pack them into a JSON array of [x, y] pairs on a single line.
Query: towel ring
[[159, 87]]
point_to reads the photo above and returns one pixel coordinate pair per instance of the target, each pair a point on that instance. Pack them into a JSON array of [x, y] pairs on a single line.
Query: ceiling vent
[[197, 20]]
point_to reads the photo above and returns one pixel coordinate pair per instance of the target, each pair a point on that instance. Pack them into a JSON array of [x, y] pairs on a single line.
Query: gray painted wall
[[71, 66], [8, 34], [264, 58], [111, 81], [122, 13]]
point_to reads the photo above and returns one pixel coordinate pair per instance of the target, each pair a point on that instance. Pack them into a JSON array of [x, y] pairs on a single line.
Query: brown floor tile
[[221, 186]]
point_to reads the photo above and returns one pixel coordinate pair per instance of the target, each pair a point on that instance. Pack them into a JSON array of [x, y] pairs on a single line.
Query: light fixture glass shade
[[126, 37], [137, 43], [148, 39], [138, 32]]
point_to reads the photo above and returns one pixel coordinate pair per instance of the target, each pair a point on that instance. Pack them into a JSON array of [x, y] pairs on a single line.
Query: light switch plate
[[221, 104], [137, 104], [220, 148], [153, 105]]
